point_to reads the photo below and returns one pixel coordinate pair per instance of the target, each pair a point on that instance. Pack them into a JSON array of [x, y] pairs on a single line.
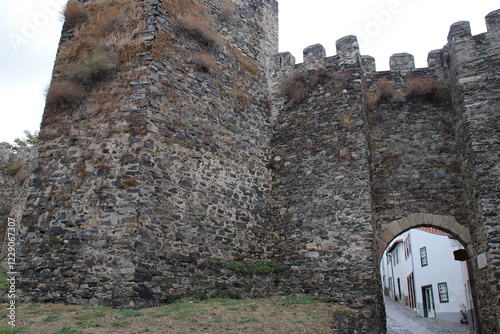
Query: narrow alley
[[401, 320]]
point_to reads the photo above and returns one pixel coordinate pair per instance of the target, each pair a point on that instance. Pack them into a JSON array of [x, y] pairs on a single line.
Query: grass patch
[[11, 330], [4, 284], [13, 168], [290, 300], [74, 13], [68, 330], [111, 25], [204, 62], [228, 11], [93, 68], [300, 84], [224, 316], [381, 90], [197, 22], [63, 94], [129, 313], [106, 35], [92, 314], [426, 90], [417, 90], [120, 324], [52, 317]]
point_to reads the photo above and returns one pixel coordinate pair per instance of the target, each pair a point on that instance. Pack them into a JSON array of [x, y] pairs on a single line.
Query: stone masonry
[[202, 151], [15, 168]]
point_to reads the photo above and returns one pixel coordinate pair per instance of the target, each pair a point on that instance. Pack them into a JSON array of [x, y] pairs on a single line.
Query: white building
[[419, 269]]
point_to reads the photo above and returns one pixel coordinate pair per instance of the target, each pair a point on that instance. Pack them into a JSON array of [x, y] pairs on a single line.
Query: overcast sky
[[30, 31]]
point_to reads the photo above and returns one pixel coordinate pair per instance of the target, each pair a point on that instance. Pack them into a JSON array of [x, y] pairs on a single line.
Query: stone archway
[[445, 223]]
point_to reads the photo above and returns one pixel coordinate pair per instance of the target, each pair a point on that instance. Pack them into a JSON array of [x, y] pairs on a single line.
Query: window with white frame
[[443, 292], [423, 256]]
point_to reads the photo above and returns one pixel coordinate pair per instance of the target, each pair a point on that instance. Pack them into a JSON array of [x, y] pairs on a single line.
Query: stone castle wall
[[15, 170], [321, 181], [205, 147], [150, 194], [398, 149], [472, 67]]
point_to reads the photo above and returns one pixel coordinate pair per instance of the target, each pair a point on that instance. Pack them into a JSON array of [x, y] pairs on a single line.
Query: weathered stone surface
[[16, 166], [402, 61], [173, 169], [314, 52]]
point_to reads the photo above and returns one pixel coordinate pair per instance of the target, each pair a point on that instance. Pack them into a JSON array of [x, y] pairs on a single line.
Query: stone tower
[[151, 175]]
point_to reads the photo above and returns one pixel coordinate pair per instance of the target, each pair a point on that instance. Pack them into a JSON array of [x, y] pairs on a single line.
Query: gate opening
[[426, 270]]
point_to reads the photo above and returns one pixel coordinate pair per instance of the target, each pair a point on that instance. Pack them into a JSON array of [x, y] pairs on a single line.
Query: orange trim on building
[[435, 231]]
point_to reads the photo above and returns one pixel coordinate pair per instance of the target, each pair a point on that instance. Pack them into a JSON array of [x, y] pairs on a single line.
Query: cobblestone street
[[401, 320]]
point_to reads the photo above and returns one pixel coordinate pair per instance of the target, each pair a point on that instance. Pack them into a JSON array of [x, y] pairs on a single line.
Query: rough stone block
[[435, 59], [437, 221], [411, 219], [312, 254], [402, 61], [459, 31], [465, 237], [369, 64], [395, 228], [420, 219], [449, 224], [282, 60], [405, 224], [493, 23], [386, 235], [314, 52], [348, 47]]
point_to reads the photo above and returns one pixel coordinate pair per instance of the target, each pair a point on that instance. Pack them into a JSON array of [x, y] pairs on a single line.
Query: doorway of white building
[[428, 301], [426, 270]]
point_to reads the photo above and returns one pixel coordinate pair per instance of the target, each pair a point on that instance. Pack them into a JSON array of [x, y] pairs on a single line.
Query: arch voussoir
[[448, 224]]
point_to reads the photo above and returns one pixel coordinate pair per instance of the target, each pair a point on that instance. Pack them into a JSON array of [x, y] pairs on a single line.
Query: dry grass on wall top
[[197, 20], [113, 25], [74, 13], [62, 94], [107, 35], [418, 90], [197, 23], [426, 89], [204, 61], [107, 38], [228, 10], [298, 85]]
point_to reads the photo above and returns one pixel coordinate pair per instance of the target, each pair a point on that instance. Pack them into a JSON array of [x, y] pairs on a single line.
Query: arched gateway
[[447, 224], [390, 231]]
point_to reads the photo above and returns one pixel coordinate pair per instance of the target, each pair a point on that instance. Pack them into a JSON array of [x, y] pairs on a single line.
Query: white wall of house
[[439, 270], [395, 266]]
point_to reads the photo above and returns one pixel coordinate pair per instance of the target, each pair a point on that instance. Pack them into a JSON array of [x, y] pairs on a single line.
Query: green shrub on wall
[[92, 68], [13, 168]]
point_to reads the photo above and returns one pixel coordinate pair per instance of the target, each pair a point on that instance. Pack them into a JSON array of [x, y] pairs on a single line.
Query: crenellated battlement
[[348, 48], [493, 21]]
